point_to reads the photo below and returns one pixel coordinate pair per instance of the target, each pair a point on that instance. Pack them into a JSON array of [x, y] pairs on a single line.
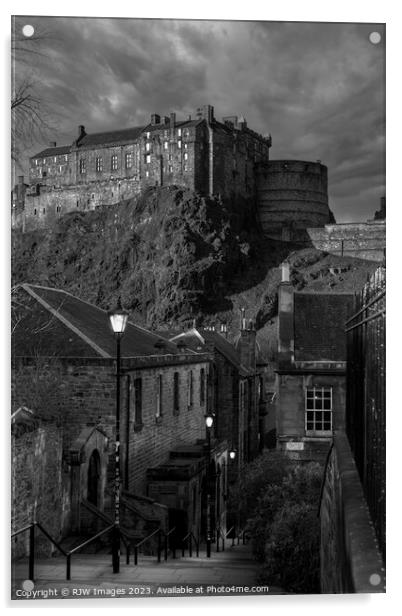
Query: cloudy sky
[[318, 88]]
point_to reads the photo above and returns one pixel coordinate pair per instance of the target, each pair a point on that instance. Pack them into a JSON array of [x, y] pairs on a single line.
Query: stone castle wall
[[292, 193], [364, 240]]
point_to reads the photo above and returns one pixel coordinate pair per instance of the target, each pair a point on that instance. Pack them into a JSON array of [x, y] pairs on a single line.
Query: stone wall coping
[[360, 541], [127, 363]]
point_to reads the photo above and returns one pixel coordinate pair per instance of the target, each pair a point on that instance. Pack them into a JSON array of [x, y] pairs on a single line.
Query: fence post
[[135, 555], [166, 547], [190, 551], [159, 547], [31, 552], [68, 573], [128, 554]]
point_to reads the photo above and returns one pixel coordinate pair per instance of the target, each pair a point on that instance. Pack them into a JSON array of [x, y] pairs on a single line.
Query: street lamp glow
[[232, 454], [118, 319], [209, 420]]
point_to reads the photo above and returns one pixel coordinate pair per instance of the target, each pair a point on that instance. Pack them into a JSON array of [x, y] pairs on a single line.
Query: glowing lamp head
[[232, 454], [118, 319], [209, 420]]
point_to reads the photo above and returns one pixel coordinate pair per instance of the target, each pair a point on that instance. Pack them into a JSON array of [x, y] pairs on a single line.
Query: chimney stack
[[246, 344], [52, 144], [285, 271], [286, 317]]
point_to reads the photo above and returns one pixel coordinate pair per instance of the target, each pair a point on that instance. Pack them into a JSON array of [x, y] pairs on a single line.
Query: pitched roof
[[198, 339], [319, 325], [57, 151], [111, 137], [54, 322]]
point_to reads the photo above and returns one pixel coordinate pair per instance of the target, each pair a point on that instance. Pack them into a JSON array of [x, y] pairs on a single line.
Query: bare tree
[[30, 113]]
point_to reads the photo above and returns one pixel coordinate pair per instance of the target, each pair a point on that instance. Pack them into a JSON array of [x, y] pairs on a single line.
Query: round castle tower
[[292, 195]]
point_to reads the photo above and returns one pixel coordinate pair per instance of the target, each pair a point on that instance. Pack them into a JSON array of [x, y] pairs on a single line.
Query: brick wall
[[350, 558], [151, 443]]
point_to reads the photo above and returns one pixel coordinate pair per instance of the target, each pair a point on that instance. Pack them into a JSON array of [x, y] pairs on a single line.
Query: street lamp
[[118, 321], [209, 420]]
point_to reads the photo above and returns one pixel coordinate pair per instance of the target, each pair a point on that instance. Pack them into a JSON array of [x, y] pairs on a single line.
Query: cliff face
[[170, 254], [173, 256]]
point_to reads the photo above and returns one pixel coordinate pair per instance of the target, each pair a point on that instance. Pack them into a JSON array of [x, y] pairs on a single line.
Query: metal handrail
[[189, 537], [140, 543], [31, 557], [84, 544]]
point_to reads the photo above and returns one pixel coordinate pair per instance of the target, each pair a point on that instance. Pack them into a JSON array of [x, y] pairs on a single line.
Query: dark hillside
[[174, 256]]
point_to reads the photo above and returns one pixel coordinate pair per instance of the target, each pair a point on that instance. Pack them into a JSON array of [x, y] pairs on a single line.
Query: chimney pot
[[285, 272]]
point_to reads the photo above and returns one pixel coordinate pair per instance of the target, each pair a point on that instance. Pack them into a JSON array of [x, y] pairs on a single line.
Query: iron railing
[[365, 398]]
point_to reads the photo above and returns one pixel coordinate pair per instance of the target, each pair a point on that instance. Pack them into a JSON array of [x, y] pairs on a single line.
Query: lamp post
[[232, 456], [118, 321], [209, 420]]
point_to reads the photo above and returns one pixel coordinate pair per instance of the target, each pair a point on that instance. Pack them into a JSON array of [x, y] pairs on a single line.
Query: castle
[[208, 156]]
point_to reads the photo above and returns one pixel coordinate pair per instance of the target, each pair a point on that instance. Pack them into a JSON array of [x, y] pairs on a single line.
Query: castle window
[[185, 156], [82, 165], [114, 162], [44, 210], [148, 159], [35, 212], [148, 147], [318, 411], [170, 169], [179, 144], [185, 146], [60, 168], [185, 168], [148, 135], [147, 174], [166, 145], [129, 160], [99, 164], [179, 132], [66, 157]]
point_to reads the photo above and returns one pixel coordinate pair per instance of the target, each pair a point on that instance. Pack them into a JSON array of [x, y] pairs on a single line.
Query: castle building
[[200, 153]]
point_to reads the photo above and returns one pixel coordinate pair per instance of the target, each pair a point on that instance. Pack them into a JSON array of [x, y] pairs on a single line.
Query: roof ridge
[[64, 320], [147, 331]]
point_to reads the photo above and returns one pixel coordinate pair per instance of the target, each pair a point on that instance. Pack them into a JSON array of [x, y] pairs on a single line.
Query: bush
[[279, 499]]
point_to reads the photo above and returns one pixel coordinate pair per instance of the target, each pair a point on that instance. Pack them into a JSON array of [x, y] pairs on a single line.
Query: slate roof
[[319, 325], [57, 151], [198, 339], [56, 323], [124, 135], [110, 137]]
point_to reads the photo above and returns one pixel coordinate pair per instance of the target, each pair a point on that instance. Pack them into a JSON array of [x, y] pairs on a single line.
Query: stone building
[[201, 153], [64, 370], [237, 395], [311, 371]]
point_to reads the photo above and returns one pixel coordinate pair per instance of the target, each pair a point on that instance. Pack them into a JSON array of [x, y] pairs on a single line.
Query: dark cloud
[[317, 88]]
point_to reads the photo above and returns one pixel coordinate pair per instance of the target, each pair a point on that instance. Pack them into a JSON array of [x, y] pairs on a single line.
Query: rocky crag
[[174, 256]]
